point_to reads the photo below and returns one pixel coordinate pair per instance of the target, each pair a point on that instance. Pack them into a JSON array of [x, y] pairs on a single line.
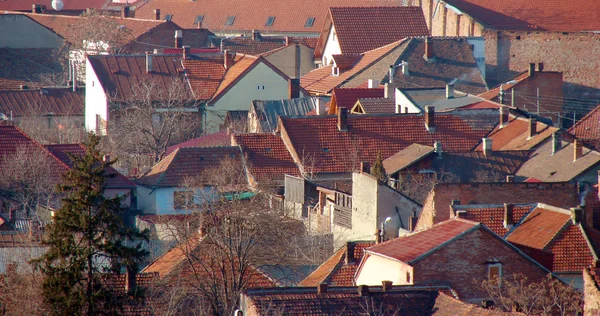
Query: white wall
[[332, 47], [19, 31], [402, 101], [96, 102], [376, 269]]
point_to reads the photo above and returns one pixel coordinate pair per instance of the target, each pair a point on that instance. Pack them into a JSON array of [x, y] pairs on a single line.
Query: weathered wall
[[19, 31], [376, 269], [591, 295], [294, 60]]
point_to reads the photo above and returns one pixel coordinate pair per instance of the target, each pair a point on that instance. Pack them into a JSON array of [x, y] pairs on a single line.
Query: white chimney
[[320, 106], [449, 91], [405, 68], [148, 62], [373, 84], [437, 147], [487, 146]]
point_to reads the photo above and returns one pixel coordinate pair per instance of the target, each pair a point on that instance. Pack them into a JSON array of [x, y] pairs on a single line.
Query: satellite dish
[[57, 5]]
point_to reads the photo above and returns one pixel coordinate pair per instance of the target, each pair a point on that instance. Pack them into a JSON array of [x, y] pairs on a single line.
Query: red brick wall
[[591, 295], [463, 264]]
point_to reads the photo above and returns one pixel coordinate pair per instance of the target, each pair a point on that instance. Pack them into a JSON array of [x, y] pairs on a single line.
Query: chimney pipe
[[349, 252], [449, 91], [578, 149], [487, 146], [199, 25], [322, 288], [386, 285], [556, 142], [576, 214], [320, 106], [531, 69], [510, 178], [363, 290], [373, 84], [255, 35], [287, 41], [540, 67], [430, 118], [377, 236], [227, 59], [503, 116], [130, 281], [532, 126], [125, 12], [342, 122], [508, 215], [405, 70], [157, 14], [148, 62], [428, 48], [74, 75], [178, 39], [437, 147], [294, 88]]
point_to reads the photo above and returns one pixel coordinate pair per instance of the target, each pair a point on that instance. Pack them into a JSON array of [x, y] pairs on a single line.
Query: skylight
[[168, 17], [270, 21], [309, 22], [199, 19], [230, 20]]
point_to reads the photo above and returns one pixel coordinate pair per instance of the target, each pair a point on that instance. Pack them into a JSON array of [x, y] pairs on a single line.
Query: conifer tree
[[86, 242], [377, 170]]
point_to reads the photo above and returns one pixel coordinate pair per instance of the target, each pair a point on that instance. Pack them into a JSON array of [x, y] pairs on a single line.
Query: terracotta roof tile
[[493, 94], [571, 251], [347, 97], [377, 105], [412, 247], [290, 18], [221, 138], [539, 228], [515, 135], [40, 102], [268, 157], [588, 128], [25, 5], [26, 66], [186, 162], [336, 151], [263, 45], [205, 74], [554, 15], [493, 216], [360, 29], [242, 64], [406, 157]]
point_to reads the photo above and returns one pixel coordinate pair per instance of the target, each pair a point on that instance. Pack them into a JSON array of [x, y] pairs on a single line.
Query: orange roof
[[25, 5], [41, 102], [515, 135], [495, 92], [242, 64], [347, 97], [539, 228], [205, 74], [588, 128], [291, 17], [360, 29], [492, 216], [533, 15]]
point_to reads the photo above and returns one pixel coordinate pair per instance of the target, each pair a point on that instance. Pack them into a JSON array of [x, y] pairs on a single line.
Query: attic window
[[325, 149], [231, 155], [309, 22], [199, 19], [230, 20], [168, 17], [270, 21], [268, 149]]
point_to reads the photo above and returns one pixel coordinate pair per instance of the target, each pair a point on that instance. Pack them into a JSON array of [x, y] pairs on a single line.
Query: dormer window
[[309, 22], [335, 71], [199, 19], [270, 21], [168, 17], [230, 20]]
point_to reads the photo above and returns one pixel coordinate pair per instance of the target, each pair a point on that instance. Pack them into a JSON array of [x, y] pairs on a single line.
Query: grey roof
[[268, 111], [406, 157], [422, 97]]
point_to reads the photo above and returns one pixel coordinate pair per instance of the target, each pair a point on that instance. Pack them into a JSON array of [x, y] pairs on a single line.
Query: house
[[263, 115], [384, 300], [295, 19], [347, 97], [588, 130], [414, 100], [172, 185], [430, 256], [443, 195], [435, 62], [354, 30], [374, 106]]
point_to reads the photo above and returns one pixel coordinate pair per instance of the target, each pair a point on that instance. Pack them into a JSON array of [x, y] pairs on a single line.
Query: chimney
[[508, 215], [125, 12], [540, 67], [342, 121], [202, 232], [450, 91], [487, 146], [532, 127], [455, 202], [349, 252], [437, 147], [430, 118], [405, 70], [373, 84], [199, 25], [178, 38], [322, 288], [255, 35], [227, 59], [531, 69], [503, 116], [106, 158], [428, 48], [157, 14], [130, 280], [320, 106], [148, 62], [386, 285], [287, 41], [186, 52], [556, 142], [377, 236], [11, 215], [510, 178], [363, 290], [24, 87], [365, 167], [37, 8], [412, 221], [578, 149], [388, 91], [576, 214], [294, 88]]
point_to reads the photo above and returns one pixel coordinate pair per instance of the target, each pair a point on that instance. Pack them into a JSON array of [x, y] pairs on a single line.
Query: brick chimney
[[342, 119], [428, 48], [178, 38], [363, 290], [294, 88], [540, 67], [227, 59], [157, 14], [256, 35], [386, 285], [531, 69], [556, 142], [148, 62], [578, 149], [322, 288], [350, 252], [503, 116], [532, 126], [125, 12], [508, 214], [430, 118], [130, 281], [576, 215], [199, 25], [487, 146]]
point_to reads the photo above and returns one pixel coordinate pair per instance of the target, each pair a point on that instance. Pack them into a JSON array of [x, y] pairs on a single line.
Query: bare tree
[[417, 186], [21, 292]]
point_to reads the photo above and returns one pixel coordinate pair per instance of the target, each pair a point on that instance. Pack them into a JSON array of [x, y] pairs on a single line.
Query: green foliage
[[377, 169], [86, 242]]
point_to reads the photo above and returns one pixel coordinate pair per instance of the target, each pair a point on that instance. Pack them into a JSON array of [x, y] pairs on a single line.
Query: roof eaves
[[444, 244], [323, 35]]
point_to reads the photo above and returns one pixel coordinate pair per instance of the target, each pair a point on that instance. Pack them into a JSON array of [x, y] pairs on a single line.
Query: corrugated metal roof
[[268, 111]]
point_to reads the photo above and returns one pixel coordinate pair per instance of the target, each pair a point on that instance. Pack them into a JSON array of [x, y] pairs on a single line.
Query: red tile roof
[[185, 162], [360, 29], [25, 5], [26, 66], [539, 228], [205, 74], [553, 15], [414, 246], [376, 105], [264, 45], [347, 97], [492, 216], [41, 102], [221, 138], [588, 128], [291, 17], [571, 250], [515, 135], [338, 151], [268, 157]]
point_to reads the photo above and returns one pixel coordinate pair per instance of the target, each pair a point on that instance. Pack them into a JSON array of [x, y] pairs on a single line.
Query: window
[[168, 17], [494, 271], [270, 21], [407, 277], [309, 22], [199, 19], [230, 20]]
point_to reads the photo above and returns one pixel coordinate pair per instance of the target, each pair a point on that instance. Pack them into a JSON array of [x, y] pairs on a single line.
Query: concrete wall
[[364, 208], [96, 102], [391, 203], [19, 31], [404, 104], [294, 60], [376, 269], [332, 47]]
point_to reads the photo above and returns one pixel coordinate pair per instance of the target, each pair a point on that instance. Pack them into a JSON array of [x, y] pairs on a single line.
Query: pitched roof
[[185, 162], [413, 247], [268, 157], [493, 93], [515, 135], [539, 228], [268, 111], [25, 5], [492, 215], [41, 102], [263, 45], [360, 29], [477, 166], [588, 128], [554, 15], [26, 66], [205, 73], [437, 97], [406, 157], [338, 270], [375, 106], [221, 138], [247, 16], [347, 97], [333, 150], [161, 37], [560, 166]]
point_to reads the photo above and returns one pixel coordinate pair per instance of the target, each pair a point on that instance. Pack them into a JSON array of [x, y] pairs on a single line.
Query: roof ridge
[[583, 119]]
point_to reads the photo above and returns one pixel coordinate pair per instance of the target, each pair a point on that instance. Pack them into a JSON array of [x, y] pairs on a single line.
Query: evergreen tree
[[86, 242], [377, 169]]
